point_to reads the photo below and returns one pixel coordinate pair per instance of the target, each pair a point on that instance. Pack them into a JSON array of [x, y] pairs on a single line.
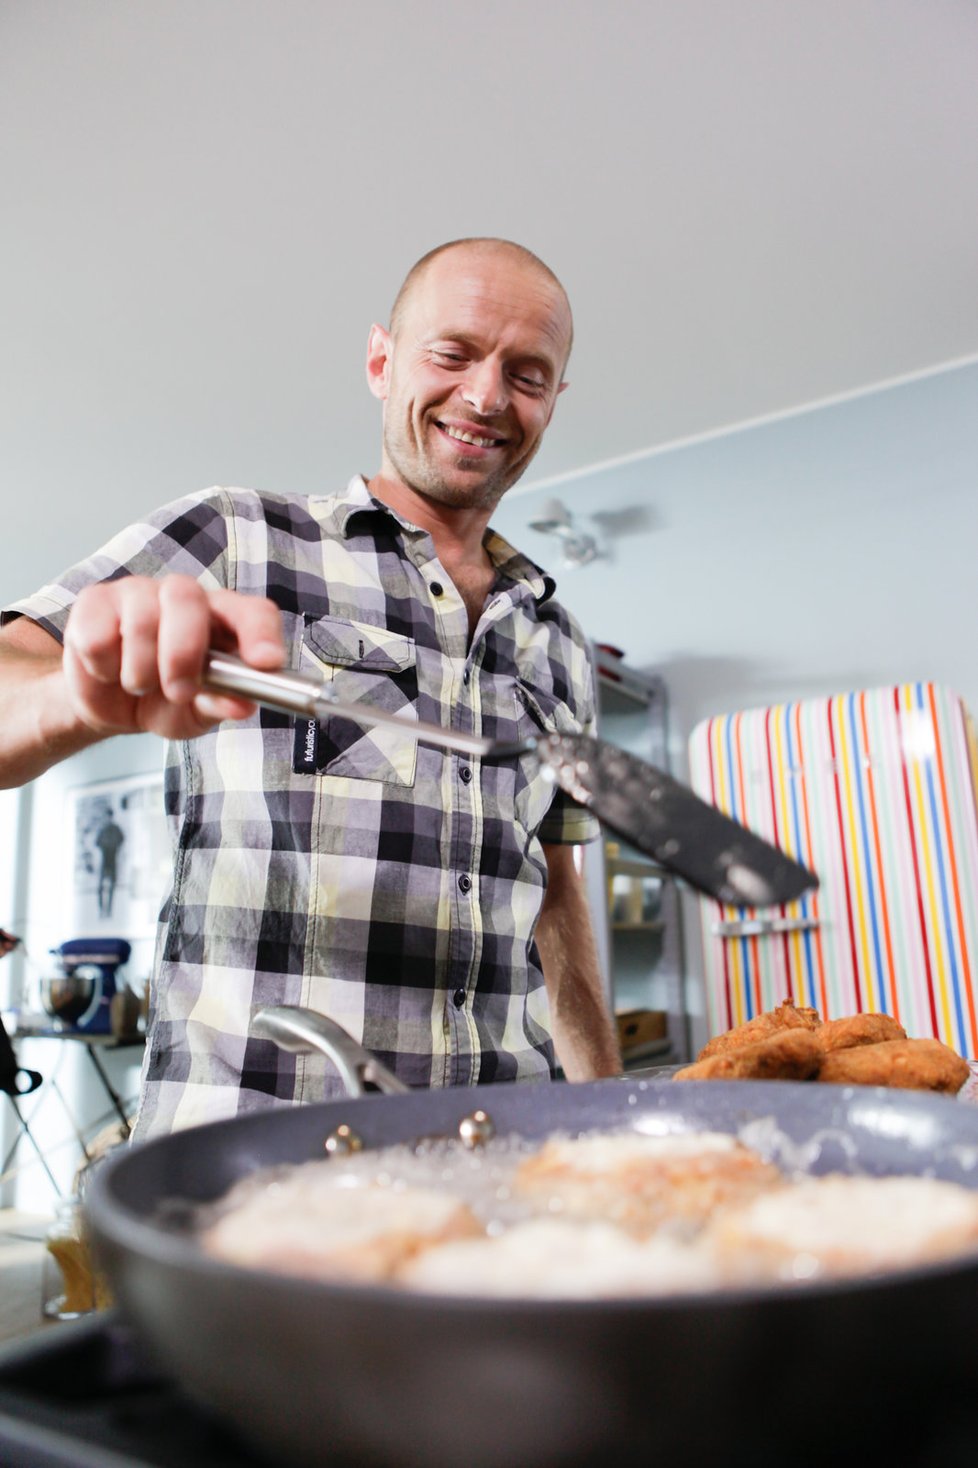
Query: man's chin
[[456, 481], [471, 483], [483, 494], [461, 489]]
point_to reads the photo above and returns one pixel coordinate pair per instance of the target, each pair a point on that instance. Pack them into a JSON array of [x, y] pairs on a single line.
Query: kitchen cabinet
[[635, 904]]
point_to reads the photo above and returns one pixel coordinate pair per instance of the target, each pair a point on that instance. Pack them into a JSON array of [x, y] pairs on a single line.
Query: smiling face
[[471, 374]]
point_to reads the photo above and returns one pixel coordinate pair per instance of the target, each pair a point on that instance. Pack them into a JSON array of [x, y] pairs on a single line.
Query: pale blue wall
[[831, 550]]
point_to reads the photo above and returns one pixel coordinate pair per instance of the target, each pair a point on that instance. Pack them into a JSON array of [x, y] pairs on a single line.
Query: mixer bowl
[[68, 996]]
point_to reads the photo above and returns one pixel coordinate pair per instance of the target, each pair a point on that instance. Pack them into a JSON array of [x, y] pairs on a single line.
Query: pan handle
[[303, 1030]]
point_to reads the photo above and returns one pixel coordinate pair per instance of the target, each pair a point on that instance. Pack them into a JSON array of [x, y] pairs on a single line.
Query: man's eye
[[536, 383], [453, 357]]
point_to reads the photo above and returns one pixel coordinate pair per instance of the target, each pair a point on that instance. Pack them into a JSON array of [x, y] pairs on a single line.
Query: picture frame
[[119, 858]]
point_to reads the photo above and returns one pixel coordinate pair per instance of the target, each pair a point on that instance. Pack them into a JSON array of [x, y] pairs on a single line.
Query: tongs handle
[[292, 693], [283, 690]]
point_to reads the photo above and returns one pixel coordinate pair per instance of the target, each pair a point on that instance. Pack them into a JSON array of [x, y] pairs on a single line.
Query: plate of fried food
[[793, 1043]]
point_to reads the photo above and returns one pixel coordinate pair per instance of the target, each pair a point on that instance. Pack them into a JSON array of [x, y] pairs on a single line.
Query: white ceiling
[[753, 205]]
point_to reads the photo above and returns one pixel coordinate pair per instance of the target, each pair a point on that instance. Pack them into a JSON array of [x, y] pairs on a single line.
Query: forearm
[[38, 726], [584, 1031]]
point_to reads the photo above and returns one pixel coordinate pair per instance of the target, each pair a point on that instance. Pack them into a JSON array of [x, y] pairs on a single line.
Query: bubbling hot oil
[[482, 1176], [659, 1185]]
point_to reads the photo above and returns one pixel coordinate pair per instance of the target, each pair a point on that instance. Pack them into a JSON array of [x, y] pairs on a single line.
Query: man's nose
[[484, 388]]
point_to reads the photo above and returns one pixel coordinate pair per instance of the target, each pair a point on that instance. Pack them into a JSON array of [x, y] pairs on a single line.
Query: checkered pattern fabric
[[388, 884]]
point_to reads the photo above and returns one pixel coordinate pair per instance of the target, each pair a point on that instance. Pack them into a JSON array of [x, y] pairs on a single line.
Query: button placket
[[466, 714]]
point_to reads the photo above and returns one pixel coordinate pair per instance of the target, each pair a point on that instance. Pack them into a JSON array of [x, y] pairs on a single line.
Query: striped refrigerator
[[875, 792]]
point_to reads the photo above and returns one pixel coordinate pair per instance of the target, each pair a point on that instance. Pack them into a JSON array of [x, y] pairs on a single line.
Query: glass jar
[[72, 1284], [69, 1281]]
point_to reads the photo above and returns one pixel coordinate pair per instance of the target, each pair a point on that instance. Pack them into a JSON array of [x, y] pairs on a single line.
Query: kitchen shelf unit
[[635, 904]]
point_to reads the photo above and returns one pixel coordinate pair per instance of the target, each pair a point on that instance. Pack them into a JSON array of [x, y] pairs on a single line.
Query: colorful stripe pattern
[[877, 792]]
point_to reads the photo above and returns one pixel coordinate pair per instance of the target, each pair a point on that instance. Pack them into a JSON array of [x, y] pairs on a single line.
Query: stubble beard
[[414, 469]]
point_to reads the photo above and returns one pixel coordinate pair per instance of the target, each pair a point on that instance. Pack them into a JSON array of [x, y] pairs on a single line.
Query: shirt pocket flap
[[548, 712], [360, 645]]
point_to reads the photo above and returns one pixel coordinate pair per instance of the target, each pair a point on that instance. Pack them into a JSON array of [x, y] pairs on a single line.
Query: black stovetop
[[83, 1395]]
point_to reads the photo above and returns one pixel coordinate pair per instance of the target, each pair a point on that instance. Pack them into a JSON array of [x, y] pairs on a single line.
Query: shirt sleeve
[[188, 536], [568, 824]]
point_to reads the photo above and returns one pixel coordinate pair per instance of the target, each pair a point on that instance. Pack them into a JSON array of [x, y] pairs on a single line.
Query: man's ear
[[554, 403], [380, 350]]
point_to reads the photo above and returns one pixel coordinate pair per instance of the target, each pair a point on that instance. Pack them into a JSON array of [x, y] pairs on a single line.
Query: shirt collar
[[356, 500], [515, 566]]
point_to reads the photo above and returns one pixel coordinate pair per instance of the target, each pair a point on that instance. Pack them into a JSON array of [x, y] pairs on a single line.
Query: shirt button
[[465, 677], [458, 998], [465, 774], [437, 589], [465, 883]]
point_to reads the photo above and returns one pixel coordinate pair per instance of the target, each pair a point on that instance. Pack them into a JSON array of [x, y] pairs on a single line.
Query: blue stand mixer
[[81, 995]]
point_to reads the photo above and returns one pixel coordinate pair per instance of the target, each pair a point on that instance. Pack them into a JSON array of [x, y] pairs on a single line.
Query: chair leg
[[25, 1131]]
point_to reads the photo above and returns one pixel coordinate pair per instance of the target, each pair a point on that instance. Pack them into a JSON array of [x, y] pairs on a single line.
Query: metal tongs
[[639, 802]]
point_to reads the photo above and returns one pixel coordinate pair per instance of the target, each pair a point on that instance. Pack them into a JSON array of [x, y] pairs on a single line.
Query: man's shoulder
[[244, 500], [302, 514]]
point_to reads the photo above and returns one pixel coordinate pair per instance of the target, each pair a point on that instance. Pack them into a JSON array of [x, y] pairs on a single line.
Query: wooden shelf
[[654, 1048]]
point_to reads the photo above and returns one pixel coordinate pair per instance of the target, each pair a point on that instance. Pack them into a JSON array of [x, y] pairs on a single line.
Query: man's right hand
[[134, 653]]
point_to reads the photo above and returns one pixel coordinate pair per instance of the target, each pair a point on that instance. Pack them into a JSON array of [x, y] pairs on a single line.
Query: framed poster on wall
[[120, 858]]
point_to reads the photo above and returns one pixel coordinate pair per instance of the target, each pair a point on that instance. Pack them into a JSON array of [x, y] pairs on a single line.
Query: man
[[409, 893], [108, 840]]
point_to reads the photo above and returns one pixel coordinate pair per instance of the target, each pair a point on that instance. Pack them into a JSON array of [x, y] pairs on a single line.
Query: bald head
[[469, 373], [486, 247]]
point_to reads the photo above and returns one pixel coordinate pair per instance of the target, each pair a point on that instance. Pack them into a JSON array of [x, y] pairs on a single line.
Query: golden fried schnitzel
[[786, 1055], [787, 1016], [858, 1029], [915, 1065]]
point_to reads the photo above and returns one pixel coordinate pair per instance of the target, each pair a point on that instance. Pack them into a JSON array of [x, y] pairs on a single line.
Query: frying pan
[[657, 814], [327, 1375]]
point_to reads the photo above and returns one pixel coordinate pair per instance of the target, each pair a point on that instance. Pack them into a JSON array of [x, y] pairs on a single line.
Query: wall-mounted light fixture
[[554, 518]]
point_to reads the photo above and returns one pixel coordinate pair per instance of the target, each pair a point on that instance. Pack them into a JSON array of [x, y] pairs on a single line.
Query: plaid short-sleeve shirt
[[391, 885]]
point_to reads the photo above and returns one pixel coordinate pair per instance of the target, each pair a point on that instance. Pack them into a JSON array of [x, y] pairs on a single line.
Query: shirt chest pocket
[[364, 665], [537, 712]]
